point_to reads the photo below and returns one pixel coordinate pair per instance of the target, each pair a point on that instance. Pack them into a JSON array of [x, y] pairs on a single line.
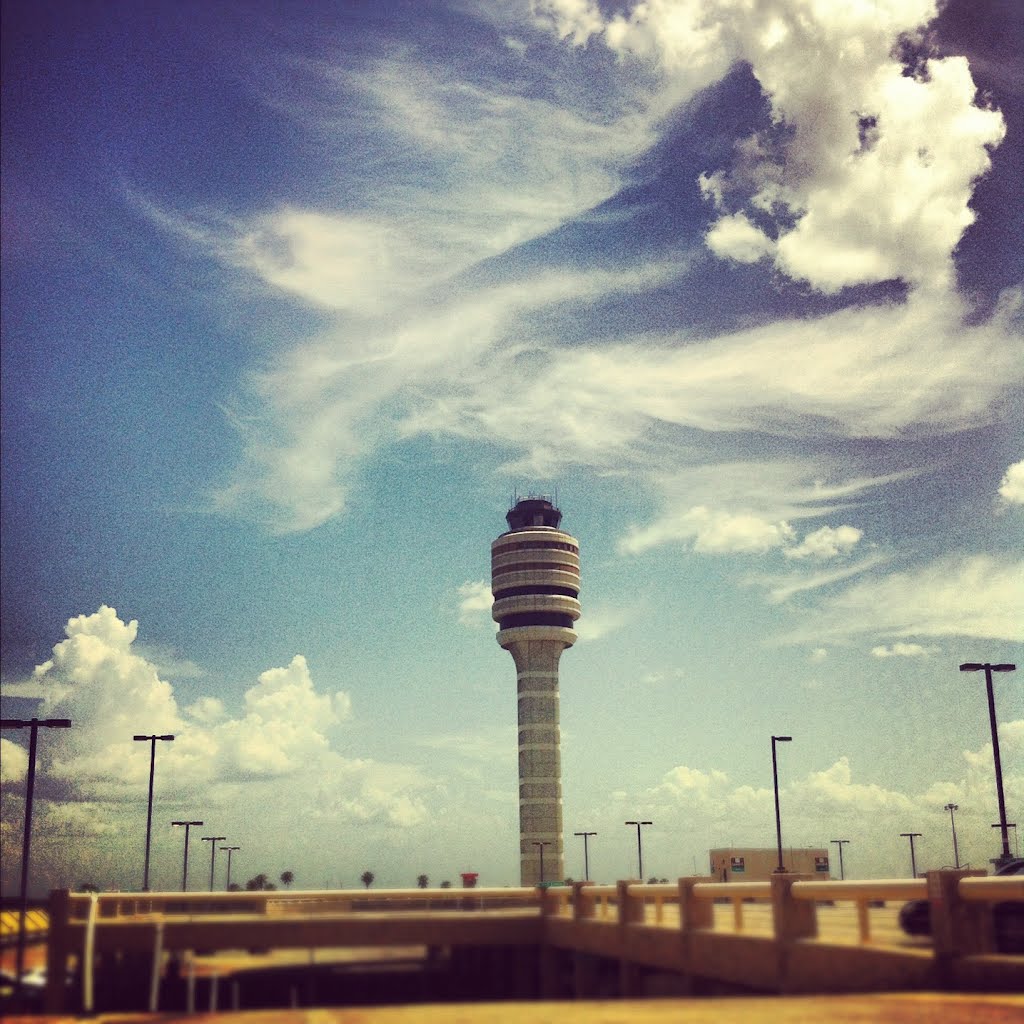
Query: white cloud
[[13, 761], [708, 804], [872, 175], [711, 532], [903, 650], [206, 710], [976, 596], [428, 329], [1011, 487], [782, 589], [826, 542], [96, 679], [734, 237], [599, 621], [818, 655], [720, 533], [475, 601]]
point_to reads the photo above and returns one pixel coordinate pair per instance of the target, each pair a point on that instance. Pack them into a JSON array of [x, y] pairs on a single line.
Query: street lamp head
[[153, 737], [975, 666], [783, 739], [50, 723], [951, 807], [186, 823]]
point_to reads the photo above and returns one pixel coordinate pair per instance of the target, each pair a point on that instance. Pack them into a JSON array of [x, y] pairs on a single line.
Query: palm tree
[[258, 883], [422, 881], [287, 877], [367, 878], [446, 884]]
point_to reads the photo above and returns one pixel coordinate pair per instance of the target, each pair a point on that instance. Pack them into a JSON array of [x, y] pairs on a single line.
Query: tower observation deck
[[535, 580]]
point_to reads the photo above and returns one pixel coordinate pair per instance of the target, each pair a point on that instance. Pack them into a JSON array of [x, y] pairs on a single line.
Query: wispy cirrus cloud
[[973, 596]]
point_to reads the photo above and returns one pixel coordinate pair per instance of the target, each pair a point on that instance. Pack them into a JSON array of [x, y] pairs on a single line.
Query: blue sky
[[295, 298]]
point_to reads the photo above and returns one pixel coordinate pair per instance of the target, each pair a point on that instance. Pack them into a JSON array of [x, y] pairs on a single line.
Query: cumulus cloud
[[867, 171], [903, 650], [736, 238], [718, 532], [110, 692], [826, 542], [712, 532], [707, 803], [13, 761], [1011, 487], [475, 600], [600, 620]]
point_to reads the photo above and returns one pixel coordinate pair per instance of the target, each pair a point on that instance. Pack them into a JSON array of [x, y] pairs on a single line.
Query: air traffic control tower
[[535, 580]]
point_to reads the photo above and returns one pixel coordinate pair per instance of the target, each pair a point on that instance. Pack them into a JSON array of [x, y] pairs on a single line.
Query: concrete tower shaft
[[535, 580]]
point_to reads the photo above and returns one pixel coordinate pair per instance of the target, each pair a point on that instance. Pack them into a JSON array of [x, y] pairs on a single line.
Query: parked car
[[1007, 918]]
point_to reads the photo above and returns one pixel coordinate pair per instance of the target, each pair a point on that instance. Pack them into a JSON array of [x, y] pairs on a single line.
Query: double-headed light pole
[[781, 868], [213, 841], [230, 850], [586, 859], [913, 860], [839, 843], [1009, 825], [639, 847], [988, 669], [184, 871], [33, 725], [149, 807]]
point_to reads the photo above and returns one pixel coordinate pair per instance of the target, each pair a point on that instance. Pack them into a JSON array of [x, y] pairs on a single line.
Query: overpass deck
[[789, 935]]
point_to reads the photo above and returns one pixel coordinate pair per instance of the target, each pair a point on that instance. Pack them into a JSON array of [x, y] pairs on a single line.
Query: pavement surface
[[909, 1008]]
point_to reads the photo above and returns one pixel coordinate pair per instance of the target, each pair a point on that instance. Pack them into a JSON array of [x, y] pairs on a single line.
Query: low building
[[750, 864]]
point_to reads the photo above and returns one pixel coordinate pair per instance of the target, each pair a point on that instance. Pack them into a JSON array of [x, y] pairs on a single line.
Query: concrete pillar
[[631, 911], [793, 920], [959, 928], [57, 949]]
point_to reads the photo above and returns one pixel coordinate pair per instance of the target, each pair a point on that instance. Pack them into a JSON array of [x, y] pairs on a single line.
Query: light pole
[[639, 847], [184, 872], [775, 782], [213, 841], [230, 849], [913, 861], [839, 843], [586, 860], [1009, 825], [952, 821], [149, 807], [33, 725], [974, 666], [540, 846]]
